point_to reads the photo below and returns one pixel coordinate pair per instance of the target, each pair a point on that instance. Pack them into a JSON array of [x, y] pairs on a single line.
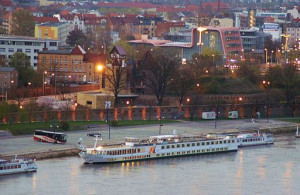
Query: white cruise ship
[[161, 146], [254, 139], [17, 166]]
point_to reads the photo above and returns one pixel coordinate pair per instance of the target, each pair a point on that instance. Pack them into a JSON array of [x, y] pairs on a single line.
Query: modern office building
[[226, 40], [28, 45], [53, 30], [253, 41]]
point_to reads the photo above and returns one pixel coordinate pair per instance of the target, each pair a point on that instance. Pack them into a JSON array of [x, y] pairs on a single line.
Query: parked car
[[94, 134]]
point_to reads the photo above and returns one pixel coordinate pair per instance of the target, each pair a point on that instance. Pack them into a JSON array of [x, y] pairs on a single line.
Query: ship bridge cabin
[[131, 141]]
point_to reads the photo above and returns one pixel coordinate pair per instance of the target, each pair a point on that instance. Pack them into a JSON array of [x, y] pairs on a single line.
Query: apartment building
[[28, 45]]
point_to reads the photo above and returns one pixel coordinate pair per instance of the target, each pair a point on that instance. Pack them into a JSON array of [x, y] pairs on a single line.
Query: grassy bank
[[290, 119], [28, 128]]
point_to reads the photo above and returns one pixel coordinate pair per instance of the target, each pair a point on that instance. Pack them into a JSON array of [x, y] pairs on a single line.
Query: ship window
[[188, 145], [139, 150], [221, 149], [216, 142], [178, 145], [220, 142], [163, 147], [173, 146], [178, 152], [157, 155], [183, 145], [213, 150], [229, 141], [208, 150], [168, 147], [188, 152], [232, 141], [224, 142], [207, 143], [203, 150], [198, 144], [212, 143], [193, 144], [1, 168], [202, 143]]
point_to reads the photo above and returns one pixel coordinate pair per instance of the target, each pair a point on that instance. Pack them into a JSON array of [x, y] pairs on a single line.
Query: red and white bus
[[50, 137]]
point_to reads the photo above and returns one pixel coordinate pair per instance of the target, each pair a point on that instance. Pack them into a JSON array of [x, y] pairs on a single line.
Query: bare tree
[[157, 66], [182, 82], [116, 77]]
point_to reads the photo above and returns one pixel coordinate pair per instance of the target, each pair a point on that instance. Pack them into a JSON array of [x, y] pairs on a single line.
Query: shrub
[[64, 125]]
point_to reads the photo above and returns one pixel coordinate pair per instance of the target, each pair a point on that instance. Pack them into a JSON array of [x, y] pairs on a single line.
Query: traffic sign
[[107, 104]]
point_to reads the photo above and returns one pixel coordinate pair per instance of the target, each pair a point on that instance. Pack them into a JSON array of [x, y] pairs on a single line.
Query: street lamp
[[53, 75], [266, 58], [11, 86], [99, 69], [266, 84], [44, 73]]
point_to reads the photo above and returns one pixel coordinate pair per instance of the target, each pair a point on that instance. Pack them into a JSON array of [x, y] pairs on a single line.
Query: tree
[[116, 77], [2, 62], [157, 66], [76, 37], [249, 71], [21, 62], [3, 31], [207, 61], [22, 23], [182, 82]]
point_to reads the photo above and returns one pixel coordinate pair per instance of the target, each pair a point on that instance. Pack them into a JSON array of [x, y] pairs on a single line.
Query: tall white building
[[28, 45]]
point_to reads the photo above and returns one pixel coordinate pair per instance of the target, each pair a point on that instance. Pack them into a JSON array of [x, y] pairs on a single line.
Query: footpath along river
[[273, 169]]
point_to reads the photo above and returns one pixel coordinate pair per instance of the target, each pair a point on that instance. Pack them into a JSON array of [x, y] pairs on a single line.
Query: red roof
[[40, 20], [96, 58], [64, 12], [6, 3], [127, 4], [78, 50]]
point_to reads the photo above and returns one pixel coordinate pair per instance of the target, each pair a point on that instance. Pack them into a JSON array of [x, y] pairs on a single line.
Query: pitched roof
[[78, 50], [96, 58], [120, 50], [40, 20], [6, 3]]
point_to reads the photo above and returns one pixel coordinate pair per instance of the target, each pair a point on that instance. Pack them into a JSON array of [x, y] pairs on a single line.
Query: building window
[[36, 50], [60, 61], [11, 50], [34, 64], [51, 61], [35, 57], [66, 61], [53, 44], [76, 61], [66, 69], [2, 49], [19, 50]]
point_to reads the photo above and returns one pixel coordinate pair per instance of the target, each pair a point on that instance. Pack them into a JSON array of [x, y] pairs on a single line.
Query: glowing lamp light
[[99, 67], [200, 29]]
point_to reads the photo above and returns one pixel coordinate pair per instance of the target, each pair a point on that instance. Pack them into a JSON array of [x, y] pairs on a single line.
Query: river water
[[271, 169]]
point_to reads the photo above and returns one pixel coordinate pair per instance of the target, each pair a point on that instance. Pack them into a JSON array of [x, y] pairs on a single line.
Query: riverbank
[[25, 146]]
